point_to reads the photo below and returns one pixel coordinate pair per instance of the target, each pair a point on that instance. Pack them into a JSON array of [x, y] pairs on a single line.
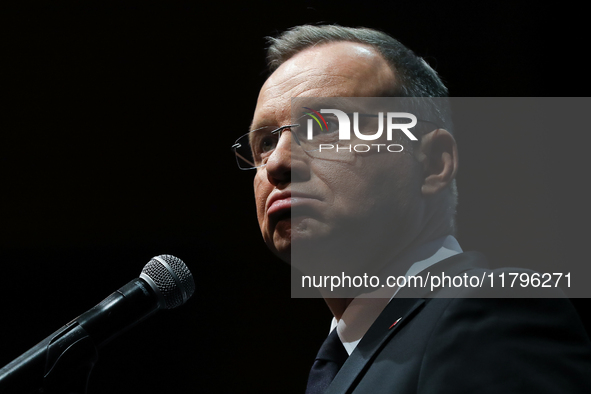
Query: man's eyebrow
[[252, 126], [346, 104], [258, 125]]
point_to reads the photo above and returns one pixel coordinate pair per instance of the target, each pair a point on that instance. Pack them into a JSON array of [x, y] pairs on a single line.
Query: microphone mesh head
[[172, 278]]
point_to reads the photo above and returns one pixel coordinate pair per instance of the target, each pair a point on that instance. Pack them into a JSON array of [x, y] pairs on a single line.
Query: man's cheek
[[260, 195], [261, 215]]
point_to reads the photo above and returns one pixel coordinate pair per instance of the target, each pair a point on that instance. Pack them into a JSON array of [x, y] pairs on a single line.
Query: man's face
[[365, 208]]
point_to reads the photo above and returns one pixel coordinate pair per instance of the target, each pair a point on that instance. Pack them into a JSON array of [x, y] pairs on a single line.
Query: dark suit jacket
[[471, 345]]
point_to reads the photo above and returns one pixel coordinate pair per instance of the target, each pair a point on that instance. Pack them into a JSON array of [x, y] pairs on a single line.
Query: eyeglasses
[[253, 149]]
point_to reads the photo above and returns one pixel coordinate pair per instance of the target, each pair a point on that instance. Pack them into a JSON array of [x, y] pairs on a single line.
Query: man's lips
[[279, 205], [279, 201], [283, 201]]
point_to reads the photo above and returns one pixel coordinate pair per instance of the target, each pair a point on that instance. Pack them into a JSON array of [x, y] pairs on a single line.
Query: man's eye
[[333, 125], [321, 128], [267, 144]]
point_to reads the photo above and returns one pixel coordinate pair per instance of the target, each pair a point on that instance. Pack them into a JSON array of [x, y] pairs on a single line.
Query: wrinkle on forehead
[[341, 69]]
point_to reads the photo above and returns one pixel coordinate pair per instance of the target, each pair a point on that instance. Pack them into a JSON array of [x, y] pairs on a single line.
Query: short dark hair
[[417, 78]]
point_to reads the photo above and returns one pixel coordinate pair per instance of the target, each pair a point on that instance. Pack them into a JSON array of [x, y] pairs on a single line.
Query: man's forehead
[[330, 64], [340, 69]]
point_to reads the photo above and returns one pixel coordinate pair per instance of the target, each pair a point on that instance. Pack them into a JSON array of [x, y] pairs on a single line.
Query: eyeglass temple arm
[[242, 157]]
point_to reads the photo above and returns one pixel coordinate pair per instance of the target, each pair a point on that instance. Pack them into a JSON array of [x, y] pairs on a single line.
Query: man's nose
[[282, 162]]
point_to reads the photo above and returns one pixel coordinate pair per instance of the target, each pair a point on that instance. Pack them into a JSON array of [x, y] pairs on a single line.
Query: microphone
[[66, 357]]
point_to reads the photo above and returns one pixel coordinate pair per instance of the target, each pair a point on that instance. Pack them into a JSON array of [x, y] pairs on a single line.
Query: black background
[[116, 127]]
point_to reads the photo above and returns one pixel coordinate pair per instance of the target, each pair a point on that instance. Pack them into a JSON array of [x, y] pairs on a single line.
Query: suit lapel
[[397, 313]]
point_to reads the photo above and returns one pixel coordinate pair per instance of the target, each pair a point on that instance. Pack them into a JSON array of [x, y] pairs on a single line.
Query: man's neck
[[338, 305]]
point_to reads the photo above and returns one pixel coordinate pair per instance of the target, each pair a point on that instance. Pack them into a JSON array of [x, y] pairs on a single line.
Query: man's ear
[[438, 155]]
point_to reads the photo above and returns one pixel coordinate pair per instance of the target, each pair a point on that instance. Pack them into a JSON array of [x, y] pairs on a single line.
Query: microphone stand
[[63, 363]]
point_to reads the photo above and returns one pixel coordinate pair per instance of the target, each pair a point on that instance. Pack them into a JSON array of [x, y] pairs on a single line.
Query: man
[[395, 214]]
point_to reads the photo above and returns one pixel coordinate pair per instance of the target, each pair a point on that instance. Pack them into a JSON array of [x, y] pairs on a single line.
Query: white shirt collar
[[364, 310]]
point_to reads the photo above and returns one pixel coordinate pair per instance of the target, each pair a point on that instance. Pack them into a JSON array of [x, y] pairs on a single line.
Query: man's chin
[[288, 234], [279, 240], [297, 234], [281, 250]]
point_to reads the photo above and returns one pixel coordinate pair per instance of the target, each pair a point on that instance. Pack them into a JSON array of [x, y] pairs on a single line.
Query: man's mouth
[[279, 206], [283, 205]]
